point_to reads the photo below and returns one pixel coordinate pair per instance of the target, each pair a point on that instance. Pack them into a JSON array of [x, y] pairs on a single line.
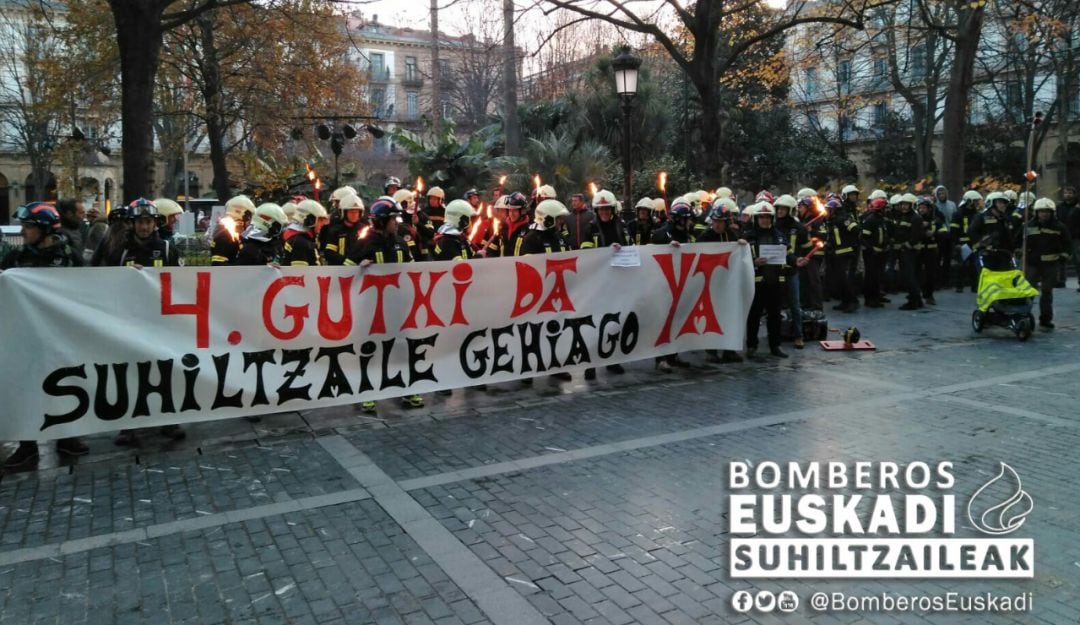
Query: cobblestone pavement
[[577, 502]]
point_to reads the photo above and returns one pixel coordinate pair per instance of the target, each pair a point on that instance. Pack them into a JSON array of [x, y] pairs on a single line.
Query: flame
[[592, 189], [662, 181], [1007, 516], [230, 226], [363, 232], [318, 184], [310, 172], [819, 208], [502, 180], [818, 244], [536, 181], [475, 229], [495, 231], [419, 184]]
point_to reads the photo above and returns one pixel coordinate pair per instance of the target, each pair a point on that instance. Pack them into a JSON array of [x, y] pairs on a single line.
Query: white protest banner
[[92, 350]]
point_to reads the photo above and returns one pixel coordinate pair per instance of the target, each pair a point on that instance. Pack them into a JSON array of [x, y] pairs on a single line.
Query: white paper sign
[[773, 254], [627, 256]]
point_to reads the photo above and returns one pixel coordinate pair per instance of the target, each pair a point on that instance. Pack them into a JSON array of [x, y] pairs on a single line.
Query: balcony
[[378, 74], [412, 79]]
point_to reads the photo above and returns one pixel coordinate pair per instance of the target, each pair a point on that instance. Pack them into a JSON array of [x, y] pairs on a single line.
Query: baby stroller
[[1005, 297]]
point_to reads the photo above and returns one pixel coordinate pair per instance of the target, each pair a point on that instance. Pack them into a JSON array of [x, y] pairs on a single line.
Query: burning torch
[[419, 186], [818, 244], [313, 178], [592, 190], [819, 213], [499, 189], [661, 183]]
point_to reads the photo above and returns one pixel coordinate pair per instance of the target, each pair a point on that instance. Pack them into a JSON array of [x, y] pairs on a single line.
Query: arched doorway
[[50, 190], [89, 191], [5, 200]]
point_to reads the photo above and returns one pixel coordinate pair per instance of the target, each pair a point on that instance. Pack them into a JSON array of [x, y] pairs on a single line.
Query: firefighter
[[799, 244], [719, 220], [891, 279], [146, 249], [935, 234], [908, 235], [43, 246], [383, 246], [627, 214], [606, 231], [841, 250], [260, 244], [451, 241], [436, 198], [418, 231], [170, 213], [225, 243], [391, 186], [517, 224], [299, 238], [339, 236], [639, 228], [546, 237], [874, 243], [1048, 244], [769, 279], [961, 241], [674, 231], [818, 232], [493, 246], [581, 218], [994, 235]]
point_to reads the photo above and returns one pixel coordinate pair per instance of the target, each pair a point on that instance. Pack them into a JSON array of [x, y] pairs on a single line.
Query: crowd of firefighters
[[834, 246]]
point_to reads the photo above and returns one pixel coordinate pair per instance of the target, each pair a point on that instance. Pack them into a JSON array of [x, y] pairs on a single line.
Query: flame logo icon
[[1008, 515]]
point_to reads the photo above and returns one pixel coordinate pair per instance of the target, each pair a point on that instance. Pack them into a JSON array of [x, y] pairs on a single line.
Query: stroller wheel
[[1024, 328], [977, 321]]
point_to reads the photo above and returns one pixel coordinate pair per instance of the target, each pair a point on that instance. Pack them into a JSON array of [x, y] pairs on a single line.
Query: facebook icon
[[742, 601]]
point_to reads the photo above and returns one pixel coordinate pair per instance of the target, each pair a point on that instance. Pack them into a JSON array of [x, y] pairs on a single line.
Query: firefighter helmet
[[39, 214], [604, 199], [724, 192], [167, 207], [308, 213], [437, 192], [240, 208], [269, 218], [341, 192], [910, 198], [350, 201], [545, 192], [458, 213], [849, 189], [547, 211], [806, 192], [878, 194], [972, 195], [786, 201], [1045, 204]]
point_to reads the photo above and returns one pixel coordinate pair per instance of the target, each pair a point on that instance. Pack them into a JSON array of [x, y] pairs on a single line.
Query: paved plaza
[[567, 502]]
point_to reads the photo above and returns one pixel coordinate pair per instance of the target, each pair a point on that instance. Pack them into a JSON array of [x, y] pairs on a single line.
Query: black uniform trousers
[[1044, 276], [838, 269], [910, 268], [810, 283], [873, 268], [768, 300], [931, 268]]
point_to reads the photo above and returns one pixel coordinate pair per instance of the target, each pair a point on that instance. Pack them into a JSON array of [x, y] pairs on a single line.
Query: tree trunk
[[216, 129], [436, 71], [954, 120], [511, 126], [922, 138], [138, 37]]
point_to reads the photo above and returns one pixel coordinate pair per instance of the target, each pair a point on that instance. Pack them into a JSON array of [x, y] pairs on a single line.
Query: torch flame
[[502, 180], [536, 181], [475, 229], [318, 184], [310, 173], [819, 208], [363, 232], [419, 184], [592, 189], [495, 231], [230, 226], [662, 182]]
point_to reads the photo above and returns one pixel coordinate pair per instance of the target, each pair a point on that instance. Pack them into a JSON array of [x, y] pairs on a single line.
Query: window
[[813, 119], [843, 75], [412, 104], [378, 62], [879, 71], [917, 60], [1014, 99], [881, 112], [412, 72], [444, 69], [378, 101], [811, 83], [447, 109]]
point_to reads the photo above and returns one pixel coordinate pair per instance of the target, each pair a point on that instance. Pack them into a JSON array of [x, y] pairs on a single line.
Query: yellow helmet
[[239, 207], [167, 207]]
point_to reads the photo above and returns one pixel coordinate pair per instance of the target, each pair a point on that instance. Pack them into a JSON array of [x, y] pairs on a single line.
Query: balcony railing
[[412, 79], [378, 74]]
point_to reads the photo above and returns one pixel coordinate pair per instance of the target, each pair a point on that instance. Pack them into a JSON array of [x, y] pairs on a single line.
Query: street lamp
[[626, 77], [337, 136]]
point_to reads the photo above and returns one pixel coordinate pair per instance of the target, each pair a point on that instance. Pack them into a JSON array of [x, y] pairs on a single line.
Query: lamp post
[[1029, 177], [626, 78], [337, 136]]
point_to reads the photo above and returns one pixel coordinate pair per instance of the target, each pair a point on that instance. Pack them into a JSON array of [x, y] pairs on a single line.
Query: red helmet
[[765, 196], [878, 204], [39, 214]]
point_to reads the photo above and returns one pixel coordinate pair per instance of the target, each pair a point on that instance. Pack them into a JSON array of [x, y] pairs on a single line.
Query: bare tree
[[511, 126], [475, 77]]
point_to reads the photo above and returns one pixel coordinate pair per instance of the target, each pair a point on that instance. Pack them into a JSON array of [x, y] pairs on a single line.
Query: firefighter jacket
[[712, 236], [798, 239], [991, 232], [451, 244], [1048, 242], [873, 233], [578, 227], [935, 231], [224, 247], [961, 224], [769, 274], [545, 241], [60, 254], [300, 248], [843, 234], [339, 238], [259, 251], [639, 232], [381, 248], [150, 252], [667, 233], [604, 234], [908, 231]]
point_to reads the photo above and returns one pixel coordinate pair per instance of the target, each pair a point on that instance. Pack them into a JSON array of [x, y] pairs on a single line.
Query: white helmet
[[289, 208], [350, 201], [404, 197], [548, 210], [1025, 198], [605, 199], [806, 192], [787, 201], [993, 195], [269, 218], [458, 213], [896, 199], [341, 192], [167, 207], [645, 203], [972, 196], [1045, 204], [910, 198], [761, 209], [724, 192], [1011, 195], [546, 192], [878, 193], [436, 192], [239, 207], [308, 212], [848, 189]]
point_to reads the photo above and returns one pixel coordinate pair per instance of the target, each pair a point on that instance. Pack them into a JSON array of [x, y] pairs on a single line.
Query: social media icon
[[787, 601], [765, 601], [742, 601]]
